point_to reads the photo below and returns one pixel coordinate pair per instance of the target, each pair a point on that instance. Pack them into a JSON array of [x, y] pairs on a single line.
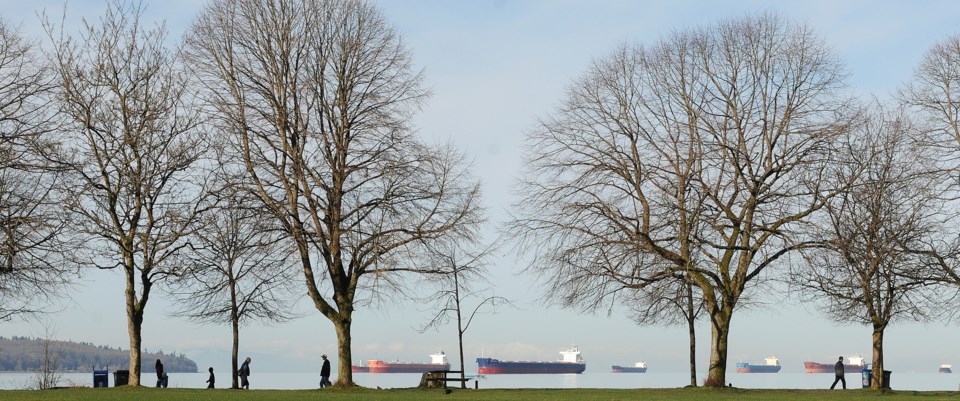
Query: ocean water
[[899, 381]]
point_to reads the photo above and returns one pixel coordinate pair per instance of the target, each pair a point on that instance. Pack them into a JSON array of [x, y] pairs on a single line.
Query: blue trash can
[[867, 375], [100, 378]]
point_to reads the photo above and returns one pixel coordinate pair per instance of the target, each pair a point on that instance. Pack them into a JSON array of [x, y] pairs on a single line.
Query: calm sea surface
[[900, 381]]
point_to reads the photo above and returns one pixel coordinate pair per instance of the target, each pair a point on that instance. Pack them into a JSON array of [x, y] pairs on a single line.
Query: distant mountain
[[25, 354]]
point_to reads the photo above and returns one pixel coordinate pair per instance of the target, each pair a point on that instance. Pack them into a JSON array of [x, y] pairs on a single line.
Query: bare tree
[[49, 375], [130, 143], [700, 156], [31, 223], [457, 271], [872, 267], [319, 94], [670, 302], [239, 271]]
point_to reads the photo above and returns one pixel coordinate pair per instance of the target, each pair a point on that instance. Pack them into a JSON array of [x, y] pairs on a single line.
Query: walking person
[[159, 367], [212, 378], [244, 372], [325, 372], [838, 369]]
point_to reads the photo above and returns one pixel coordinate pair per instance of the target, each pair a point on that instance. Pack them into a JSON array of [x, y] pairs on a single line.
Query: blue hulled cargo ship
[[570, 362], [770, 365], [639, 367]]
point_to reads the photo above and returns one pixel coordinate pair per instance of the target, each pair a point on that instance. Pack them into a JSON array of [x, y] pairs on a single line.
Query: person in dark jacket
[[212, 378], [838, 369], [159, 367], [325, 372], [244, 372]]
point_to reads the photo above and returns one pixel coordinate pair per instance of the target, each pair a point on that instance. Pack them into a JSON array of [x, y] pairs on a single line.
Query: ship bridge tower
[[571, 355], [440, 358]]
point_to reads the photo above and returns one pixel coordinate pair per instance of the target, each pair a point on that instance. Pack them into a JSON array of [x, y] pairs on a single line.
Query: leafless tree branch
[[131, 146], [702, 155], [318, 96]]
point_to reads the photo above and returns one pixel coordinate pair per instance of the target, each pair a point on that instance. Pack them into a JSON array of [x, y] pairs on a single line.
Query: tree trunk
[[456, 294], [134, 325], [463, 372], [693, 336], [235, 322], [877, 381], [135, 341], [344, 372], [235, 383], [720, 330]]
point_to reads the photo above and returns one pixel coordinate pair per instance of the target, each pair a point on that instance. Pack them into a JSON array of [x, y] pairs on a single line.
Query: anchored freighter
[[770, 365], [570, 362], [855, 366], [438, 362], [638, 367]]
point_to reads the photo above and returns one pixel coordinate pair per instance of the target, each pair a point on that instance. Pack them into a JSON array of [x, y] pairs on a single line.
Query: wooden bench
[[439, 378]]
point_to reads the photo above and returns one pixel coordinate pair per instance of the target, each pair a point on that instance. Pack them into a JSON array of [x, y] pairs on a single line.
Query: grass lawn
[[694, 394]]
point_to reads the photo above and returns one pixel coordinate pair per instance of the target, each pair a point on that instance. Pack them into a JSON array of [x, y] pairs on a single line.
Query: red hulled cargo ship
[[359, 368], [437, 362], [855, 365]]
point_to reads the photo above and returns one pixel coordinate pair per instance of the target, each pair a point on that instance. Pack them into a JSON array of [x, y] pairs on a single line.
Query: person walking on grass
[[838, 369], [244, 372], [212, 379], [159, 367], [325, 372]]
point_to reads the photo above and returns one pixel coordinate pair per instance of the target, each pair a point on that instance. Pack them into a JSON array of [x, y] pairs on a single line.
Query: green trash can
[[886, 378], [120, 378]]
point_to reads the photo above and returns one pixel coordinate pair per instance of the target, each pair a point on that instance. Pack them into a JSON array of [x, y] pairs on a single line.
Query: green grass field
[[358, 394]]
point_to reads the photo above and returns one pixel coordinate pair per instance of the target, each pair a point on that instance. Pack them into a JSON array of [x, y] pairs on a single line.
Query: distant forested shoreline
[[26, 354]]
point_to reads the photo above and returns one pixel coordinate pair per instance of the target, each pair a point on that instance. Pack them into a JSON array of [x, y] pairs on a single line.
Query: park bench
[[439, 378]]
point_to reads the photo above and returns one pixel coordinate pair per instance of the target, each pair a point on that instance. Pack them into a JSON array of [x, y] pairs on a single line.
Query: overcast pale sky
[[494, 67]]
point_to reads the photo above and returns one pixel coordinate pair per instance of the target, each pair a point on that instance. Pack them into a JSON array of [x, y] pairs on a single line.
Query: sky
[[494, 67]]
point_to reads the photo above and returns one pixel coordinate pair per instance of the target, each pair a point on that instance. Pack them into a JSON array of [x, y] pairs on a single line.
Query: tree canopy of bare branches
[[319, 94], [701, 155], [32, 268], [131, 144], [873, 267], [935, 91]]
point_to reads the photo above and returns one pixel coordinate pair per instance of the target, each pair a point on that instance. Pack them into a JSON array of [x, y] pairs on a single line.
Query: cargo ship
[[570, 362], [359, 368], [770, 365], [638, 367], [946, 368], [437, 362], [855, 365]]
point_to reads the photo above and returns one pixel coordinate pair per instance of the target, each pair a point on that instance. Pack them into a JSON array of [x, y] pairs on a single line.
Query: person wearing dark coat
[[325, 372], [838, 369], [244, 372], [159, 367], [212, 379]]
